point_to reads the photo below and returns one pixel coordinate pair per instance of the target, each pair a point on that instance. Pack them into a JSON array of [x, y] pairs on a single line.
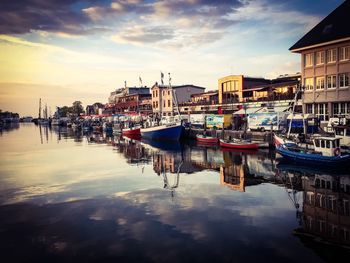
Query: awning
[[246, 111], [274, 109]]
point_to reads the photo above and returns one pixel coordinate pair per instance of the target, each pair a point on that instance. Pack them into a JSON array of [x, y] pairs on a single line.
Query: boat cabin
[[343, 133], [328, 146]]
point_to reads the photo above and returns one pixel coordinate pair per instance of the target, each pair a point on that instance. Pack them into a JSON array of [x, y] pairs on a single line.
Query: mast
[[39, 108], [175, 103], [294, 103]]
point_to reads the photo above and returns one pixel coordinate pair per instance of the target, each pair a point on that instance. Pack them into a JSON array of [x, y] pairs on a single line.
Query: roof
[[176, 86], [333, 28]]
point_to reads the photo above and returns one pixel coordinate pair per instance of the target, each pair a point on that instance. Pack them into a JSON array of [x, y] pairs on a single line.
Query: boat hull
[[131, 132], [311, 157], [163, 132], [233, 145], [206, 139]]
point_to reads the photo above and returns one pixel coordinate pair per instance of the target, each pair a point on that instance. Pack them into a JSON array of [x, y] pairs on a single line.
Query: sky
[[67, 50]]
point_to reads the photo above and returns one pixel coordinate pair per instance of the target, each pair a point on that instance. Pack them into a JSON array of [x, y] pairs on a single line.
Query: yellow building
[[231, 87]]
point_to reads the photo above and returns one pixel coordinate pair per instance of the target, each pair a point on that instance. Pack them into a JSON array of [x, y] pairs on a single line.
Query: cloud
[[23, 16]]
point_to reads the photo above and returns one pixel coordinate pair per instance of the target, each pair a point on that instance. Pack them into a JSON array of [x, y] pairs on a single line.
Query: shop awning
[[246, 111]]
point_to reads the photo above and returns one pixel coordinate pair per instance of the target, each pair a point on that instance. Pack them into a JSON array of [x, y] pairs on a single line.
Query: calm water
[[68, 197]]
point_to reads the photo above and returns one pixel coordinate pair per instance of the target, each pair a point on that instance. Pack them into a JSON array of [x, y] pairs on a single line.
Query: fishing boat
[[132, 131], [206, 139], [238, 144], [326, 151], [168, 127], [166, 131]]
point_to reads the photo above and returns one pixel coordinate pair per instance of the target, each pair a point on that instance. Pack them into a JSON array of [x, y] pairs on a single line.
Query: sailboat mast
[[39, 108]]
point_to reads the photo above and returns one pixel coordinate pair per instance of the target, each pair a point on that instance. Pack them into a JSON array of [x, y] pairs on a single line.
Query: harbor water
[[69, 196]]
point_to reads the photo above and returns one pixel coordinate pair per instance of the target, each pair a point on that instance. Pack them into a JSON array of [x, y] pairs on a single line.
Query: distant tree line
[[75, 110]]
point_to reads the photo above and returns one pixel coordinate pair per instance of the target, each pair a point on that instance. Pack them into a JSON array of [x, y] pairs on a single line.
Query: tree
[[64, 110], [77, 108]]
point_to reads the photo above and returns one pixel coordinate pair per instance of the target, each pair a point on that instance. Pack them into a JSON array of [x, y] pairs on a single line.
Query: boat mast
[[39, 108], [294, 103], [175, 103]]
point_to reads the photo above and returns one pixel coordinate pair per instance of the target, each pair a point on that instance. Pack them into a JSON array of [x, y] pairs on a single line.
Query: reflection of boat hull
[[311, 157], [131, 131], [163, 132], [239, 145], [286, 166], [206, 139]]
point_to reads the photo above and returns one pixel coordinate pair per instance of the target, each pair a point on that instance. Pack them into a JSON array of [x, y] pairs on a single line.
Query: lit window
[[309, 83], [344, 53], [331, 55]]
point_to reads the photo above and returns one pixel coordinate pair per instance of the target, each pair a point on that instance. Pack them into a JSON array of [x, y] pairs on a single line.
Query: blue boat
[[163, 132], [326, 151]]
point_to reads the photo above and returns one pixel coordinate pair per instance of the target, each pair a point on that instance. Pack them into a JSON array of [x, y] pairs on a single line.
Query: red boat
[[239, 144], [206, 139], [131, 131]]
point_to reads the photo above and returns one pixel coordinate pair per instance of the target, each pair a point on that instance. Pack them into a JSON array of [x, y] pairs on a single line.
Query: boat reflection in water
[[95, 197], [325, 211]]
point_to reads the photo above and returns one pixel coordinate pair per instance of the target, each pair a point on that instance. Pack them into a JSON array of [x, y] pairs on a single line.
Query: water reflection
[[325, 214], [96, 197]]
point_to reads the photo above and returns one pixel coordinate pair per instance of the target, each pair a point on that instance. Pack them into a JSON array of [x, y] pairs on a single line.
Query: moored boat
[[326, 151], [206, 139], [171, 131], [132, 131], [238, 144]]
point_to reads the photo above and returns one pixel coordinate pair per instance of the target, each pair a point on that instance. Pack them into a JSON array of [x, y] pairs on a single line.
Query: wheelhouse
[[328, 146]]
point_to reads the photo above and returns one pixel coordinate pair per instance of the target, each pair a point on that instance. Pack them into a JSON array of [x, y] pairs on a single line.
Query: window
[[164, 103], [322, 144], [169, 103], [319, 57], [344, 53], [309, 108], [309, 83], [343, 80], [335, 109], [309, 60], [320, 83], [342, 108], [328, 144], [331, 81], [331, 55]]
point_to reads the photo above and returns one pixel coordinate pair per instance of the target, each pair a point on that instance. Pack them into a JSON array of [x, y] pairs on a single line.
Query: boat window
[[322, 143], [333, 144], [328, 145], [317, 143], [339, 132], [337, 143], [347, 132]]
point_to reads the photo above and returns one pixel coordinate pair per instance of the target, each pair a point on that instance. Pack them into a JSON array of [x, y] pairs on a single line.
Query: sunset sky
[[67, 50]]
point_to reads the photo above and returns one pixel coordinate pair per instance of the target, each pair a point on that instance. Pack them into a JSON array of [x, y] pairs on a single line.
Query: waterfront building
[[130, 99], [325, 65], [231, 88], [163, 97]]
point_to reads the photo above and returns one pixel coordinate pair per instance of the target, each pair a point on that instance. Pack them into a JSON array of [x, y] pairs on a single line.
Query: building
[[163, 97], [231, 87], [130, 99], [325, 65]]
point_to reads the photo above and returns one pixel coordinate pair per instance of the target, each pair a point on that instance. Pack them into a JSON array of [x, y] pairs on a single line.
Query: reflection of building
[[326, 208], [233, 177], [325, 65]]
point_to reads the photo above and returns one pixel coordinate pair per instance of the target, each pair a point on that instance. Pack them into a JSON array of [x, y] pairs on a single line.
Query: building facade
[[325, 65], [163, 97], [231, 88]]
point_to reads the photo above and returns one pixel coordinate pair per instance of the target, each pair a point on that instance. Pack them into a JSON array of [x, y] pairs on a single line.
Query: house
[[164, 97], [325, 65]]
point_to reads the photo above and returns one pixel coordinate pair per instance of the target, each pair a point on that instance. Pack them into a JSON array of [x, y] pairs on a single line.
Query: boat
[[206, 139], [166, 131], [238, 144], [326, 151], [132, 131]]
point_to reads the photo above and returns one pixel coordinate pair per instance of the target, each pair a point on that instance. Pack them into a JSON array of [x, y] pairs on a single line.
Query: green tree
[[64, 110], [77, 107]]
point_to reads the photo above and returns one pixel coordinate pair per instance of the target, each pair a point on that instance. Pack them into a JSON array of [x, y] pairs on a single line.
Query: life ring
[[336, 151]]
